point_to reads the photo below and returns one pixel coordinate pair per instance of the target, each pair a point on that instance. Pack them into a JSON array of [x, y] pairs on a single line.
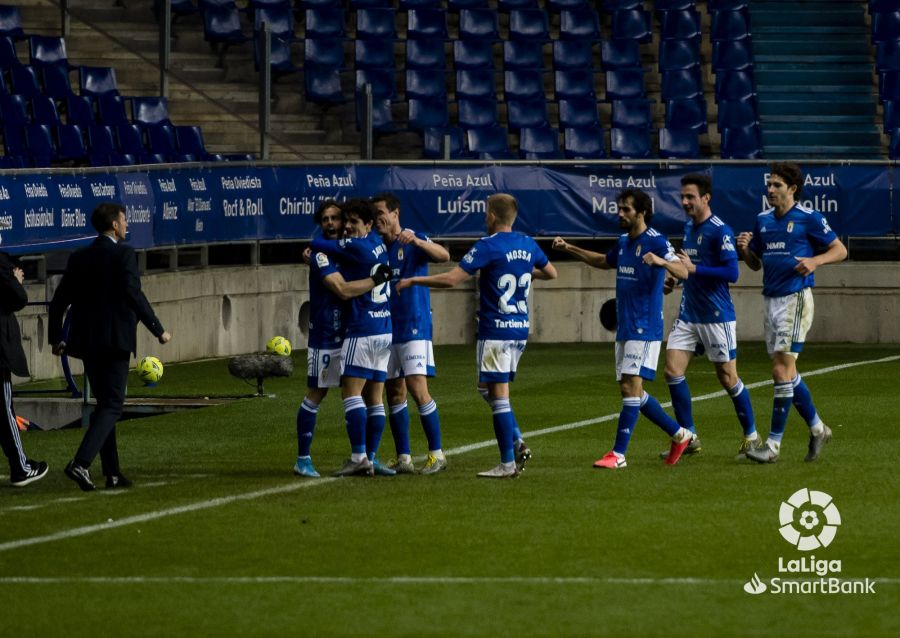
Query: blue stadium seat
[[280, 55], [222, 25], [584, 143], [8, 56], [13, 112], [676, 143], [558, 6], [876, 6], [358, 5], [101, 140], [681, 84], [161, 139], [375, 24], [190, 142], [679, 54], [732, 55], [322, 85], [489, 143], [631, 24], [620, 54], [579, 24], [425, 54], [383, 81], [508, 6], [406, 5], [523, 54], [687, 113], [729, 25], [11, 22], [679, 24], [891, 115], [472, 54], [885, 25], [889, 87], [529, 24], [374, 54], [734, 85], [80, 110], [887, 57], [39, 144], [477, 113], [44, 49], [573, 54], [111, 109], [428, 112], [736, 113], [433, 143], [56, 81], [629, 143], [150, 110], [673, 5], [97, 80], [539, 143], [475, 83], [426, 24], [25, 81], [712, 6], [129, 139], [325, 23], [426, 83], [634, 113], [382, 116], [70, 145], [894, 150], [521, 84], [574, 83], [618, 5], [478, 24], [741, 143], [579, 113], [326, 53], [14, 140], [44, 111], [526, 113], [624, 84], [12, 162], [280, 19]]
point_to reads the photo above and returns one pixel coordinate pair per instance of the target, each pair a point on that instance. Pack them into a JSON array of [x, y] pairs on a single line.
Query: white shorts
[[787, 320], [637, 358], [717, 340], [497, 359], [411, 358], [366, 357], [323, 368]]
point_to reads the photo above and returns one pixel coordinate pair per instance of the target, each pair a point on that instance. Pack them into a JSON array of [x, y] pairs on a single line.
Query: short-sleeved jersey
[[411, 310], [801, 232], [326, 328], [639, 287], [707, 299], [505, 261], [369, 313]]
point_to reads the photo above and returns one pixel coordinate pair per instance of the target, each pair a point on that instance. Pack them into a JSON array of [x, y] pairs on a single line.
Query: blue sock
[[740, 396], [431, 423], [306, 425], [631, 408], [804, 403], [681, 402], [651, 409], [355, 416], [503, 428], [781, 407], [517, 433], [374, 428], [400, 427]]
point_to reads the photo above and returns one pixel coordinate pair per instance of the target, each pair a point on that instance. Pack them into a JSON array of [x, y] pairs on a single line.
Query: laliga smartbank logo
[[809, 520]]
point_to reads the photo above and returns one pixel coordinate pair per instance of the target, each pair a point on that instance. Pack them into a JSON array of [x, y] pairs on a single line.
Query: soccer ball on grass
[[279, 345]]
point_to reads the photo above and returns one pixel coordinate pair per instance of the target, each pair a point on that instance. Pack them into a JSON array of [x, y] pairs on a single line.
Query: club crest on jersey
[[790, 227], [400, 254], [699, 239], [637, 251]]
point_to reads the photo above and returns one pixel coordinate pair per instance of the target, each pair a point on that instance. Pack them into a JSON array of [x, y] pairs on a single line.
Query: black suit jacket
[[12, 298], [103, 286]]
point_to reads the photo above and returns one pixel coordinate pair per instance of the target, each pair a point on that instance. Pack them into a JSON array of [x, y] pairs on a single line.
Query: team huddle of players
[[365, 335]]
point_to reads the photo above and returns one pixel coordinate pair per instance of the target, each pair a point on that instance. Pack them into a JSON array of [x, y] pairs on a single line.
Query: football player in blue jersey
[[328, 293], [367, 340], [641, 257], [706, 320], [412, 352], [789, 243], [508, 262]]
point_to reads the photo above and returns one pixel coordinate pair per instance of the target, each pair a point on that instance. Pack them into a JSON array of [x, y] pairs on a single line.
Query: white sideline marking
[[292, 487]]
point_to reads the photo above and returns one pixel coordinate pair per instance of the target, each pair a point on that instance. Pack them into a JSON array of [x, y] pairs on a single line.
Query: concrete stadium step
[[783, 47], [801, 75], [810, 15], [846, 122], [815, 137], [824, 152], [819, 105]]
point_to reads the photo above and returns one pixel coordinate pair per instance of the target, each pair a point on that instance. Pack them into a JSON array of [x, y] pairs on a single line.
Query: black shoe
[[37, 472], [117, 481], [80, 475]]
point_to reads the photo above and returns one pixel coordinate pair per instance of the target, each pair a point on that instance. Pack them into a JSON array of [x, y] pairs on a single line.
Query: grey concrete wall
[[218, 312]]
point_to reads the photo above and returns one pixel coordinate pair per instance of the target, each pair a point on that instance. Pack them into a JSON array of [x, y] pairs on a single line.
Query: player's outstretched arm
[[436, 253], [748, 256], [546, 273], [596, 260], [345, 290], [447, 279]]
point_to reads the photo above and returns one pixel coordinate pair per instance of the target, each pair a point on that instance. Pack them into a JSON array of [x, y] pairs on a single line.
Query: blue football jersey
[[505, 261], [639, 287], [326, 311], [370, 313], [411, 309], [801, 232], [707, 299]]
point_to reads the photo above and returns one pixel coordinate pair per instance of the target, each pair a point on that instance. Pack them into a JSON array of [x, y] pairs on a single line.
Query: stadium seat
[[279, 17], [736, 113], [280, 55], [12, 162], [326, 53], [14, 140], [101, 140], [558, 6], [620, 54], [161, 139], [734, 85], [129, 139], [473, 54], [322, 85], [687, 113], [584, 143], [97, 80], [624, 84], [573, 54], [619, 5], [475, 83], [477, 113], [44, 49], [433, 140], [523, 84], [70, 143], [44, 111], [375, 24], [887, 57], [428, 24], [426, 83], [729, 25], [526, 113], [891, 115], [889, 85], [39, 144], [539, 144], [732, 55], [425, 54], [24, 81], [359, 5], [894, 149], [741, 143], [885, 26], [13, 111], [190, 142], [382, 116], [455, 6], [629, 143], [631, 24], [713, 6], [325, 23], [876, 6], [579, 24], [679, 54], [489, 143], [406, 5], [11, 22], [428, 112], [681, 84], [579, 113], [681, 24], [56, 81], [523, 54], [111, 109], [529, 24], [634, 113], [675, 143], [8, 56], [150, 110], [508, 6], [222, 25], [573, 83], [478, 24], [383, 82], [673, 5], [374, 54], [80, 110]]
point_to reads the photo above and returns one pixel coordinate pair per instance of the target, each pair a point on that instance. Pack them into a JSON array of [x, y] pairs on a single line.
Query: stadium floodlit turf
[[219, 539]]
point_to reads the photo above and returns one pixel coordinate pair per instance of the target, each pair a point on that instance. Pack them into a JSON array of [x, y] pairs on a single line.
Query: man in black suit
[[103, 287], [13, 297]]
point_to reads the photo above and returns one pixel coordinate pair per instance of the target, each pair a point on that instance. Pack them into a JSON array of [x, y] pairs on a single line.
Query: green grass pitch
[[219, 539]]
